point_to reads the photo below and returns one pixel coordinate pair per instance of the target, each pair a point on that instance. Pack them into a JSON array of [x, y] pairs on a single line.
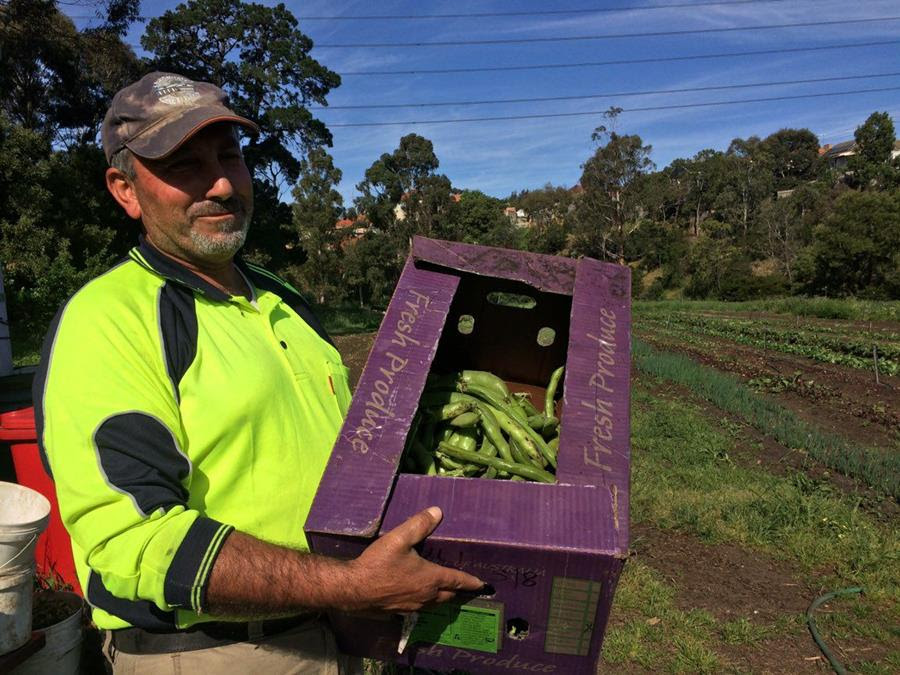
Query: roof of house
[[845, 148], [837, 149]]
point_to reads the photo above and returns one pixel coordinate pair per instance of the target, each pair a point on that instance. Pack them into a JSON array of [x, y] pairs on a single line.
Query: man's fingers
[[462, 581], [444, 596], [415, 528]]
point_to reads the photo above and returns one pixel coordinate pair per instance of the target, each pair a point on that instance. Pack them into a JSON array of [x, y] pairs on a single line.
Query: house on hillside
[[400, 209], [517, 217], [839, 154], [351, 230]]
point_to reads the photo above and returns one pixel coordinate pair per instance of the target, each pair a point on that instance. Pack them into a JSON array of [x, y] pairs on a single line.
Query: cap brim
[[171, 132]]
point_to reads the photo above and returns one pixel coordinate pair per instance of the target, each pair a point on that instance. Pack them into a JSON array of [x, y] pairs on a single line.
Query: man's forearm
[[252, 578]]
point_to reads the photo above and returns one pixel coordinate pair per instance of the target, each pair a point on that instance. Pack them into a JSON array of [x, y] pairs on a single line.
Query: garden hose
[[811, 622]]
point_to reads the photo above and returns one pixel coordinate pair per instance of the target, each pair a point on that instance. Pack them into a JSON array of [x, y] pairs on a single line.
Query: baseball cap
[[159, 112]]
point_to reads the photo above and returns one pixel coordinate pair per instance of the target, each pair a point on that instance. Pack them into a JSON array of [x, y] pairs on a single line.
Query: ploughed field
[[764, 474]]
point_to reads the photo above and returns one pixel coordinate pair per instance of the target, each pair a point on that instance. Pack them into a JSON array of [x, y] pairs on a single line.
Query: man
[[186, 404]]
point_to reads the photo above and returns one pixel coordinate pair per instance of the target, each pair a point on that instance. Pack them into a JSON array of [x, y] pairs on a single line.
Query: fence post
[[875, 359]]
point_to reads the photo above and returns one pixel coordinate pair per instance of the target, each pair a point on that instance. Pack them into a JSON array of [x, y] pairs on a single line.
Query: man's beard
[[228, 240]]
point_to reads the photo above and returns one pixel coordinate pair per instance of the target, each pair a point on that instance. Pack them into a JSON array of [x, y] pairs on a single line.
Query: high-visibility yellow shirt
[[169, 414]]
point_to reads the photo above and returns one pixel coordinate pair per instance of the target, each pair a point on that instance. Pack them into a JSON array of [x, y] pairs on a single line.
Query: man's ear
[[122, 190]]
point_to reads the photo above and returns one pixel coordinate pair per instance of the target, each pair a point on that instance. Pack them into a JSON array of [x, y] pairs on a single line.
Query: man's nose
[[220, 186]]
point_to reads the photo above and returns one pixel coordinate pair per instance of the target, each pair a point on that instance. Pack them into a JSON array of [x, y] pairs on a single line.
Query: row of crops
[[854, 349]]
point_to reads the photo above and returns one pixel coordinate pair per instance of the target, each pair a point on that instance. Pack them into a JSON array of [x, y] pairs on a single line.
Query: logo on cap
[[175, 90]]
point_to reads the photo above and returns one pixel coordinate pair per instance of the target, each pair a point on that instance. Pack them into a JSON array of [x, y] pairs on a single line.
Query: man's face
[[196, 203]]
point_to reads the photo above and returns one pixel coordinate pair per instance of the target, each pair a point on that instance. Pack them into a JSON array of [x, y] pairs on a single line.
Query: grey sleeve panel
[[177, 316], [140, 457]]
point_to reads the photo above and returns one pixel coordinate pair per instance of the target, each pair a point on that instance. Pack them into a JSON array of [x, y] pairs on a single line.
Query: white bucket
[[15, 609], [62, 652], [24, 514]]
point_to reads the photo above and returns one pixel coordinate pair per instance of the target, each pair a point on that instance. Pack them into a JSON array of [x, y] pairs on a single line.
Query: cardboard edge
[[537, 262]]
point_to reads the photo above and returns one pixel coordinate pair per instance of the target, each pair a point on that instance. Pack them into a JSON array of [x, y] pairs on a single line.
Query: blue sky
[[501, 156]]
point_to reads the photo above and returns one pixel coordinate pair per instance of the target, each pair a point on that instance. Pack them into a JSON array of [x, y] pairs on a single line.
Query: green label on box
[[474, 625]]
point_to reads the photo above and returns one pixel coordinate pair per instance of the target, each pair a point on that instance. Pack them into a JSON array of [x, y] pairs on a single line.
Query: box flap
[[531, 515], [550, 273], [351, 501], [595, 429]]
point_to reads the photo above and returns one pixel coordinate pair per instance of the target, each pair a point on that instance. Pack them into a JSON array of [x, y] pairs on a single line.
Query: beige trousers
[[306, 649]]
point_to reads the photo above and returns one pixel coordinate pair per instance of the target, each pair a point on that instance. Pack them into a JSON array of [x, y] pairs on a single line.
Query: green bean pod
[[506, 405], [518, 433], [467, 419], [488, 419], [492, 431], [514, 468], [528, 457], [551, 424], [487, 448], [524, 399], [537, 421], [446, 462], [550, 395], [449, 410], [463, 440], [484, 380]]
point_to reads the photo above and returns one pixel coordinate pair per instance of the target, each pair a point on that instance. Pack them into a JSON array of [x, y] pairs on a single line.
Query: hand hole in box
[[517, 629], [546, 336], [515, 300], [466, 324]]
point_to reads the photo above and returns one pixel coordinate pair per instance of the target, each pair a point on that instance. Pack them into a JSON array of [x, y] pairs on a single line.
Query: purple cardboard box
[[552, 554]]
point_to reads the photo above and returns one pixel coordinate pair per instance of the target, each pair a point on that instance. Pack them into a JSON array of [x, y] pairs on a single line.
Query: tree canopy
[[261, 59]]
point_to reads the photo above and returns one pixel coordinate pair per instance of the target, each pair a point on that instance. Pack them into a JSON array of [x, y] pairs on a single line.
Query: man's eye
[[183, 165]]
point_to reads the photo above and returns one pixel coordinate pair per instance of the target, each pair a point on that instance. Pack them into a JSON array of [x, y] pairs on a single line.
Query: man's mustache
[[223, 208]]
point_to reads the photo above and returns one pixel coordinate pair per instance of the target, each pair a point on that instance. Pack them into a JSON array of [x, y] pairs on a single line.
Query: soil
[[792, 321], [757, 450], [732, 583], [50, 608], [354, 350], [844, 401]]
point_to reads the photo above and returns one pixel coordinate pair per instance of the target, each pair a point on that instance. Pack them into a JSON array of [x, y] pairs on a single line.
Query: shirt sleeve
[[112, 437]]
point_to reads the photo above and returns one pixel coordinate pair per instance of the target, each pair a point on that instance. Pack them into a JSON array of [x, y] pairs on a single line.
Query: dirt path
[[732, 583], [844, 401], [355, 350], [753, 449]]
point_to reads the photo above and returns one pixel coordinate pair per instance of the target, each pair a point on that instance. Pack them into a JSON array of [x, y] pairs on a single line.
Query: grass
[[652, 632], [344, 320], [823, 308], [878, 469], [683, 478]]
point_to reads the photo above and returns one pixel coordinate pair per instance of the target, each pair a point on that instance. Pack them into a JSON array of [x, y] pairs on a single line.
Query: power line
[[619, 62], [548, 12], [544, 99], [606, 36], [482, 15], [600, 112]]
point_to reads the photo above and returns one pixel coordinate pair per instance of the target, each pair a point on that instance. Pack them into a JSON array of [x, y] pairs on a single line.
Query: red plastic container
[[53, 553]]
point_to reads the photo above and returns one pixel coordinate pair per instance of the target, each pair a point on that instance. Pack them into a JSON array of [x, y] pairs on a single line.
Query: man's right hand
[[253, 578], [389, 576]]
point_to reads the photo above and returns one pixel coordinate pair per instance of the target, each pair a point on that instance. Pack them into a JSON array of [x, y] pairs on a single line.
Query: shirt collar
[[152, 258]]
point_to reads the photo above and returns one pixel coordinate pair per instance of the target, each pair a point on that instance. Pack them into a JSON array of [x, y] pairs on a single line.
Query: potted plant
[[58, 612]]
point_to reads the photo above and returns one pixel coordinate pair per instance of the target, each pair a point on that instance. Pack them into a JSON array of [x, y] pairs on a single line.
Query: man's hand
[[391, 577], [254, 578]]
